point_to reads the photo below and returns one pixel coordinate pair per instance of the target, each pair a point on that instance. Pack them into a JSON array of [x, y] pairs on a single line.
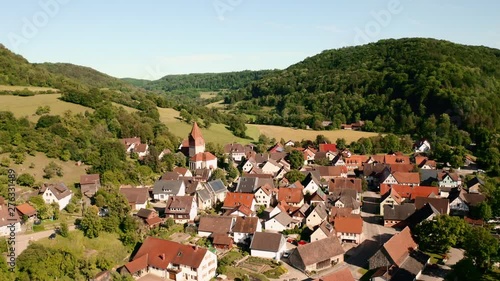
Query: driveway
[[292, 272]]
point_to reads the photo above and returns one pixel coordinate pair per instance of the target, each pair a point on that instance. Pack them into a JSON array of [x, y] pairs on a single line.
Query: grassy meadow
[[26, 106], [287, 133], [71, 172], [217, 133]]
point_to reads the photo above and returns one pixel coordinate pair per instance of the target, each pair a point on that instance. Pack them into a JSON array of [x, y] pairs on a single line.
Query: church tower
[[196, 141]]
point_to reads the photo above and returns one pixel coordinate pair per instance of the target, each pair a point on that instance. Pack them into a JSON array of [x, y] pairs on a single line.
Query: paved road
[[22, 240]]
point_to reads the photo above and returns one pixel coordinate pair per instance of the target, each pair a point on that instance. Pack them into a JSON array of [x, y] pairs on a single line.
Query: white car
[[286, 254]]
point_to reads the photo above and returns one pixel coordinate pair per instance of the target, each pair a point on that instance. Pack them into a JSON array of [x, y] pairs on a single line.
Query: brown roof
[[405, 168], [135, 195], [440, 204], [290, 195], [246, 224], [345, 183], [266, 241], [179, 204], [403, 177], [236, 199], [153, 221], [400, 245], [161, 253], [89, 179], [331, 171], [130, 141], [137, 264], [215, 224], [349, 224], [59, 190], [241, 208], [26, 209], [5, 215], [453, 176], [171, 176], [474, 199], [141, 148], [341, 275], [222, 239], [340, 212], [319, 251], [234, 148], [195, 137], [424, 191], [180, 170]]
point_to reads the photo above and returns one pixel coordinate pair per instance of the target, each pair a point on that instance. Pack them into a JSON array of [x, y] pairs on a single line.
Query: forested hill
[[398, 84], [207, 81], [87, 76]]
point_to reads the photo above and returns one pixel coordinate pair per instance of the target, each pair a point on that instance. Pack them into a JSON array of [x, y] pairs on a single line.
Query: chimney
[[162, 256]]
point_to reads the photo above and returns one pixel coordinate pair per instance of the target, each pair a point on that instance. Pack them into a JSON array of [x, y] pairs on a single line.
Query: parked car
[[52, 236], [302, 242], [286, 254]]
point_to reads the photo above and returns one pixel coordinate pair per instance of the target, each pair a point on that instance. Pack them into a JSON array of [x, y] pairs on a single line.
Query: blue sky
[[149, 39]]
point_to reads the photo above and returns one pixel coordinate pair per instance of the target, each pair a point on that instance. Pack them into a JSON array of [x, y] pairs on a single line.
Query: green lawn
[[435, 258]]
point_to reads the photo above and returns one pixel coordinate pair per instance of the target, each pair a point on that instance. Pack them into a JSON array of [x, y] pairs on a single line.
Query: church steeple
[[196, 141]]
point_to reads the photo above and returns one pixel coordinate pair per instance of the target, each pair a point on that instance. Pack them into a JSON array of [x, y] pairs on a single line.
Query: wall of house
[[140, 206], [313, 219], [194, 210], [273, 225], [337, 259], [156, 271], [266, 254], [459, 205], [64, 202], [261, 198], [387, 201], [318, 235], [204, 234], [239, 237], [310, 188], [448, 182], [206, 270], [351, 237], [247, 167]]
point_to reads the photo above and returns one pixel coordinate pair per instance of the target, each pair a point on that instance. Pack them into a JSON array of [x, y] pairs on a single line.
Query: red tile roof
[[26, 209], [160, 253], [290, 195], [195, 137], [345, 183], [203, 156], [349, 224], [406, 168], [409, 178], [400, 245], [397, 159], [236, 199], [325, 147], [423, 191]]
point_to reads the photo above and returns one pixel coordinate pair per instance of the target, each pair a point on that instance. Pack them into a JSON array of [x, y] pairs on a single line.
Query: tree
[[295, 175], [482, 211], [341, 143], [91, 223], [64, 229], [480, 246], [26, 180], [442, 233], [464, 270], [219, 174], [296, 159], [52, 169], [42, 209]]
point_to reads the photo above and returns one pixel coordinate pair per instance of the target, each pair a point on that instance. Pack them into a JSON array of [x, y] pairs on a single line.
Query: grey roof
[[217, 186], [267, 241], [204, 195], [474, 181], [144, 213], [399, 212], [170, 187], [312, 176], [411, 267], [428, 176], [247, 185], [422, 214], [316, 252], [321, 210], [283, 218]]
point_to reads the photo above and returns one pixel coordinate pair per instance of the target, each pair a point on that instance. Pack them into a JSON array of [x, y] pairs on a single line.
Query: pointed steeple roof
[[195, 137]]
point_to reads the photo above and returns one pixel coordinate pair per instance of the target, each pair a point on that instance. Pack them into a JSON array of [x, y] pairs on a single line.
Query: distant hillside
[[86, 76], [397, 84], [206, 81]]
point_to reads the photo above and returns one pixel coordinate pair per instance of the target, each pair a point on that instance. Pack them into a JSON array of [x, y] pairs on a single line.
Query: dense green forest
[[206, 81], [446, 92]]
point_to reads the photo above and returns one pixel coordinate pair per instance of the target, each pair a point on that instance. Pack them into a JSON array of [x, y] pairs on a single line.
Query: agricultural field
[[29, 88], [217, 133], [71, 172], [287, 133], [26, 106], [208, 95]]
